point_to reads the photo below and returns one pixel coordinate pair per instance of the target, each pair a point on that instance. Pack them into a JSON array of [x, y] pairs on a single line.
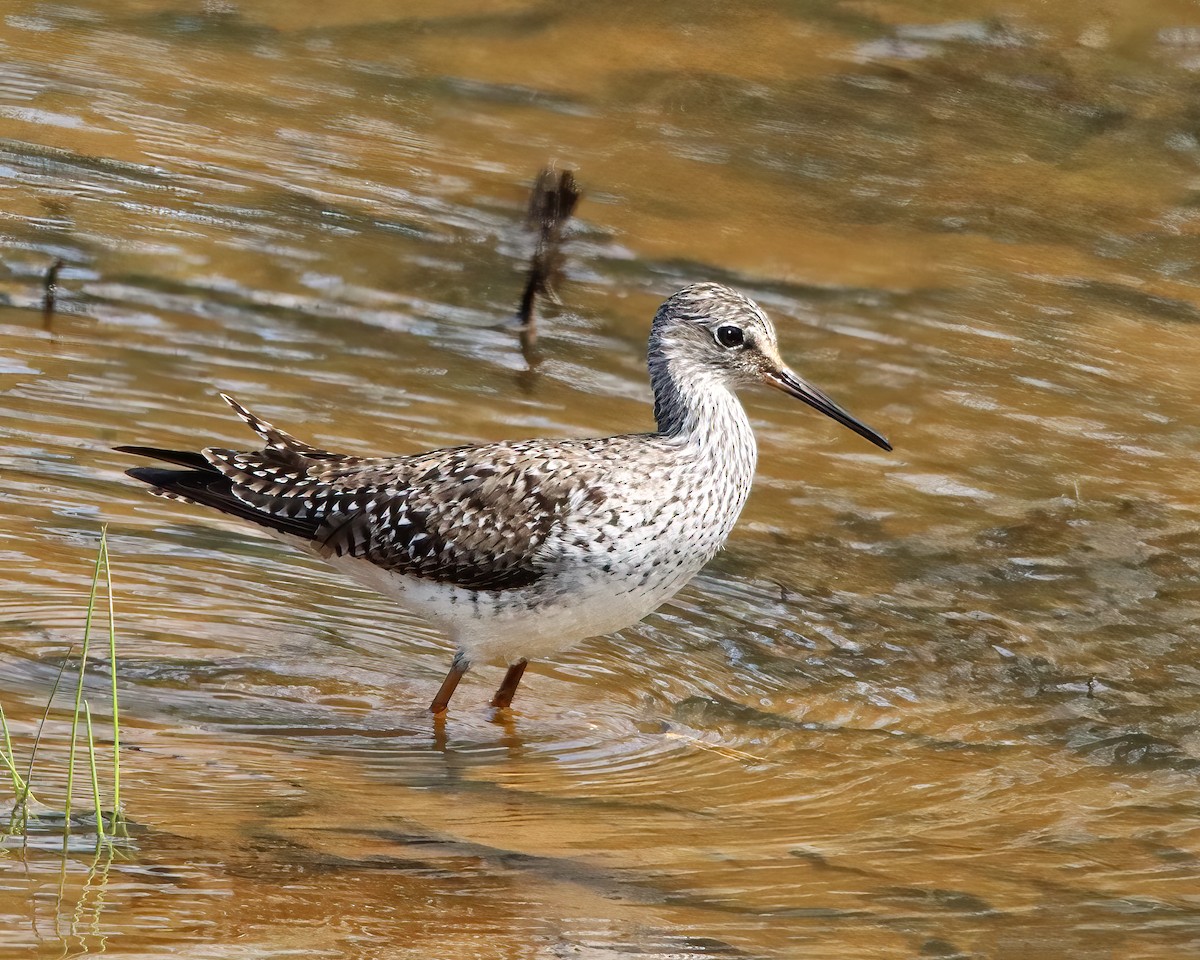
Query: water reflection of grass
[[28, 813]]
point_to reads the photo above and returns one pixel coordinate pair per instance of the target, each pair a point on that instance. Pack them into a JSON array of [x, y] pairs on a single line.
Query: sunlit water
[[940, 702]]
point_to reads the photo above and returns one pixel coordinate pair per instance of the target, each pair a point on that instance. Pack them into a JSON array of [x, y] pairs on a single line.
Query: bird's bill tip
[[793, 385]]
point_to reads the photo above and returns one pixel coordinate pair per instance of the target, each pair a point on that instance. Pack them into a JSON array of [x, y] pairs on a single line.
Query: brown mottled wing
[[476, 517]]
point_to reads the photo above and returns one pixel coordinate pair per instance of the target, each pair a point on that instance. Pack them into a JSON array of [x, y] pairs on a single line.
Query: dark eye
[[728, 336]]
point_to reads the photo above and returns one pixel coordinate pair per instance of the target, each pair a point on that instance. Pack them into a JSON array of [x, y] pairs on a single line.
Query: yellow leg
[[446, 690], [508, 686]]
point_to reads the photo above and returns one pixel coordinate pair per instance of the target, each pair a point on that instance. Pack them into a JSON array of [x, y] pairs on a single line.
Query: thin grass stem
[[22, 796], [87, 716], [112, 666], [20, 787], [83, 659], [37, 738]]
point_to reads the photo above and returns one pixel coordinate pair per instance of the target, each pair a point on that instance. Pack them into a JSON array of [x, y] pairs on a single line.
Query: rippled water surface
[[942, 702]]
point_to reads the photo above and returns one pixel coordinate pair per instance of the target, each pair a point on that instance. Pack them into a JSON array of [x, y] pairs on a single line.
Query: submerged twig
[[50, 292], [551, 204]]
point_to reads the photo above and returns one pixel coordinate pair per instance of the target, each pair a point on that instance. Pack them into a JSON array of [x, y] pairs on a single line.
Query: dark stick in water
[[50, 286], [550, 207]]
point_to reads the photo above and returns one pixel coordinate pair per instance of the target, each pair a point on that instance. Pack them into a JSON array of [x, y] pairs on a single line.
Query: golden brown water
[[937, 703]]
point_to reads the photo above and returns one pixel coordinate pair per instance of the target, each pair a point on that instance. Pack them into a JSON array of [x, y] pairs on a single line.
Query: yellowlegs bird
[[519, 550]]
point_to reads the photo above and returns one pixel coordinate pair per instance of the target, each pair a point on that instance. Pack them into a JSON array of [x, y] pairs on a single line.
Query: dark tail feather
[[210, 488], [191, 484], [183, 458]]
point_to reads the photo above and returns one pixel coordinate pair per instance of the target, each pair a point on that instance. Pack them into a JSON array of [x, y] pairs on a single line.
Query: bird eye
[[728, 336]]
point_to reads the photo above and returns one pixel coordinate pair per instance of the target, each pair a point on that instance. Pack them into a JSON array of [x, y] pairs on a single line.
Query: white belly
[[533, 622]]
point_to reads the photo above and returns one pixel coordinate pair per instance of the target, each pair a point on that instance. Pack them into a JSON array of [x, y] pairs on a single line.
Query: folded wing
[[476, 517]]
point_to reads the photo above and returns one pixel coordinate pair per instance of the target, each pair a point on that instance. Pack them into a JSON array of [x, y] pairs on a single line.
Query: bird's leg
[[508, 686], [458, 667]]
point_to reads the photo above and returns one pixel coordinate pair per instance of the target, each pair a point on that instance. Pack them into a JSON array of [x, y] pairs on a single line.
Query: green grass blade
[[19, 785], [23, 796], [112, 666], [87, 716], [19, 818], [83, 659], [37, 739]]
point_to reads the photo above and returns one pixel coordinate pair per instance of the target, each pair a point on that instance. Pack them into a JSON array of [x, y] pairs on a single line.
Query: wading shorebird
[[520, 550]]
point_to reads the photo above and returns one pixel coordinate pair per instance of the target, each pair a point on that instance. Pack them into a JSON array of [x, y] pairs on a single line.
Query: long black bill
[[793, 386]]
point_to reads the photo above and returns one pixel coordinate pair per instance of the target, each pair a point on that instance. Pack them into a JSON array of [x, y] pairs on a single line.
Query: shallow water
[[939, 702]]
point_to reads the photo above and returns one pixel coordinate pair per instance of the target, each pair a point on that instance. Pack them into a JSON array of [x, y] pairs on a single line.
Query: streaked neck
[[695, 406]]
